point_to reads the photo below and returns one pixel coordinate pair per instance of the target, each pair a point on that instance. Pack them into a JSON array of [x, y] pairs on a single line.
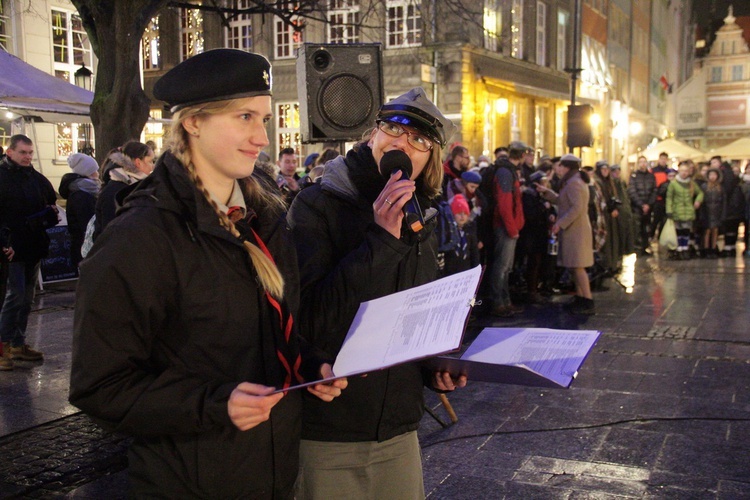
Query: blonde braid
[[268, 274]]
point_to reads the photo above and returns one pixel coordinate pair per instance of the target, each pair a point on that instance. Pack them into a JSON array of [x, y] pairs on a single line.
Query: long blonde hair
[[268, 274]]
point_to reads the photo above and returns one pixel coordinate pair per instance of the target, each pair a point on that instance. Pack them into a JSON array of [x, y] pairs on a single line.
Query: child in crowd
[[683, 197], [712, 213], [466, 254]]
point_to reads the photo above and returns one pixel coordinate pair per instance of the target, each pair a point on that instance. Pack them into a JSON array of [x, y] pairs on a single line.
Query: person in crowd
[[683, 197], [454, 166], [625, 215], [734, 211], [712, 212], [467, 186], [611, 252], [574, 229], [185, 311], [482, 163], [27, 210], [534, 236], [745, 188], [527, 165], [506, 211], [661, 171], [6, 362], [125, 166], [466, 254], [500, 152], [642, 192], [327, 155], [80, 188], [309, 162], [288, 179], [353, 246], [597, 210], [661, 194]]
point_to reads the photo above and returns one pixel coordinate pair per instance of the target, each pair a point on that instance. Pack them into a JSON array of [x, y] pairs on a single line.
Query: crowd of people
[[213, 279]]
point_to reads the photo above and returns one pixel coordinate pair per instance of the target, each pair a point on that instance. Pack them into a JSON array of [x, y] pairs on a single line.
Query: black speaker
[[579, 126], [340, 89]]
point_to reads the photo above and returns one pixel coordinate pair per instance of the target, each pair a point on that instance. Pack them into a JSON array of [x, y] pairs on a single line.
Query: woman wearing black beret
[[185, 308]]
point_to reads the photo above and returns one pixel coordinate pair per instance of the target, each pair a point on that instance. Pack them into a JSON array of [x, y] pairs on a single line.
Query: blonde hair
[[268, 274]]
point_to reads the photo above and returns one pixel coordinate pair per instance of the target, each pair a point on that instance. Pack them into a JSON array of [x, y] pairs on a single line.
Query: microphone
[[398, 160]]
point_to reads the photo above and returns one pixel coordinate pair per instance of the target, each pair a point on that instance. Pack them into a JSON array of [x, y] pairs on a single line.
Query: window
[[191, 32], [516, 29], [491, 23], [737, 73], [154, 130], [287, 127], [287, 38], [239, 34], [71, 48], [562, 40], [70, 43], [716, 74], [404, 24], [150, 45], [343, 19], [541, 33], [4, 26]]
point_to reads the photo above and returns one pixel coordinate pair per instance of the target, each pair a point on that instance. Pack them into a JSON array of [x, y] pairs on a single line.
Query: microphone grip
[[413, 215]]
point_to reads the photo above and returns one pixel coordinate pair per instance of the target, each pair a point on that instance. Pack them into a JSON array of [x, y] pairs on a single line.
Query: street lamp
[[82, 78]]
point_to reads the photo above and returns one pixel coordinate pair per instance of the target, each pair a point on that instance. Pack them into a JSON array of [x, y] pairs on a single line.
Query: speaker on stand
[[340, 89]]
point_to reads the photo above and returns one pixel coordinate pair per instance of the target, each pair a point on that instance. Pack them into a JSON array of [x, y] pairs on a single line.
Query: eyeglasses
[[415, 140]]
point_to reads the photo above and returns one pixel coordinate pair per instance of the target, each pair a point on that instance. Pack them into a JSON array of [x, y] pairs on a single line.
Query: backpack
[[447, 229]]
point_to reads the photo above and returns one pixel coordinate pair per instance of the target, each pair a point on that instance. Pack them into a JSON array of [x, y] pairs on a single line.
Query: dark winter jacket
[[642, 190], [466, 255], [81, 194], [735, 200], [169, 320], [25, 198], [345, 259]]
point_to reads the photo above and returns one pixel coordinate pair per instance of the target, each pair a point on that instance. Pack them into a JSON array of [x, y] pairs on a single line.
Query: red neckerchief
[[291, 363]]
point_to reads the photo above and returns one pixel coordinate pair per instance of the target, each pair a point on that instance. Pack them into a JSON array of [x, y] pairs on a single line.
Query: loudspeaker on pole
[[340, 89], [580, 134]]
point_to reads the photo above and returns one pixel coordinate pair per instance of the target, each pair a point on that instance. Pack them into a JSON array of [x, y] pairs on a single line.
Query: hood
[[71, 182]]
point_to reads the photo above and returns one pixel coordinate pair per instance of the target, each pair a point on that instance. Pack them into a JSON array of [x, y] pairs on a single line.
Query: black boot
[[585, 307]]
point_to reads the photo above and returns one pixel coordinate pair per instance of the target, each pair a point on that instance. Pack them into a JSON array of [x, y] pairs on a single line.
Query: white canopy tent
[[737, 150], [30, 92], [673, 147]]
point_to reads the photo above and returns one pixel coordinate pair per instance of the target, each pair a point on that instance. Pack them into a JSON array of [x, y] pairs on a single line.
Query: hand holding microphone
[[398, 193]]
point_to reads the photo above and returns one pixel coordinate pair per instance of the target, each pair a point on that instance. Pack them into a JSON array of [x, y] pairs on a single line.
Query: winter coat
[[466, 256], [642, 190], [735, 201], [535, 232], [681, 196], [169, 320], [81, 194], [25, 195], [576, 244], [627, 228], [345, 259], [120, 174], [508, 209], [611, 251], [711, 212]]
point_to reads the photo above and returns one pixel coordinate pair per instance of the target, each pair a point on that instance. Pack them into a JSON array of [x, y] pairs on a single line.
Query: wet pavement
[[660, 409]]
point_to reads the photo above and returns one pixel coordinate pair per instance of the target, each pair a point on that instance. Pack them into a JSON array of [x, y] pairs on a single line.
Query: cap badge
[[266, 77]]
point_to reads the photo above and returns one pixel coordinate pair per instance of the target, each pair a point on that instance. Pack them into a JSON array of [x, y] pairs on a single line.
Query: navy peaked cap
[[414, 109]]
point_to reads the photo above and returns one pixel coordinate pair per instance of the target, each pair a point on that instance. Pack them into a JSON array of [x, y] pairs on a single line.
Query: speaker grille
[[346, 101]]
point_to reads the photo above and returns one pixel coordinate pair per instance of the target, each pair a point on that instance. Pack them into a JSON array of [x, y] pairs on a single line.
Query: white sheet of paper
[[555, 354], [423, 321]]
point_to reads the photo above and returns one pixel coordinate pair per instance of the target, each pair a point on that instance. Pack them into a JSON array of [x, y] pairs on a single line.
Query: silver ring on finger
[[388, 201]]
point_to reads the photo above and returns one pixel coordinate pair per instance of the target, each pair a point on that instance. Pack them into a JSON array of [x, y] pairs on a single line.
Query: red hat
[[459, 205]]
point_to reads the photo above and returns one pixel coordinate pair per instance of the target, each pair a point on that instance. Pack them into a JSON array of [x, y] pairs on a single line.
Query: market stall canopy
[[673, 147], [737, 150], [30, 92]]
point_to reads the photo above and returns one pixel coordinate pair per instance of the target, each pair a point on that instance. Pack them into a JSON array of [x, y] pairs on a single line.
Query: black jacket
[[79, 209], [169, 320], [25, 195], [642, 189], [346, 259]]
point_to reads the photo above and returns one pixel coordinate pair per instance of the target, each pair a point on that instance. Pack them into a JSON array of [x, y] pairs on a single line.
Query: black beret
[[214, 75]]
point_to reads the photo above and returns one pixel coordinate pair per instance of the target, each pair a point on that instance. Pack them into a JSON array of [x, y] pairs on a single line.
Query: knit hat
[[310, 159], [82, 164], [459, 205], [471, 176]]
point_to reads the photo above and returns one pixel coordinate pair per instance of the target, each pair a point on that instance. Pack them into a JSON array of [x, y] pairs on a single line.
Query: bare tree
[[115, 28]]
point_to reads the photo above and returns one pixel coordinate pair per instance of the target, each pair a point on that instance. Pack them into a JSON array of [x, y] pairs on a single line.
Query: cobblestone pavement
[[56, 457], [661, 408]]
